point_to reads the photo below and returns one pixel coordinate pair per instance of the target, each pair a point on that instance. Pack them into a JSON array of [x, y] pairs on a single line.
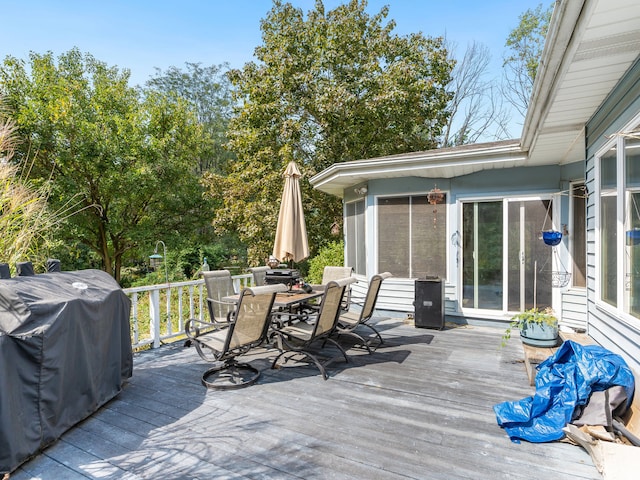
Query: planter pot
[[539, 335]]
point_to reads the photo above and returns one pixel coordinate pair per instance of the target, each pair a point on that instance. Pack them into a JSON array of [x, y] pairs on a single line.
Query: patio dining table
[[286, 300]]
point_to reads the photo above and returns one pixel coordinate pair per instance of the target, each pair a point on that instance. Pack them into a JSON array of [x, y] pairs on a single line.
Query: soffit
[[604, 43]]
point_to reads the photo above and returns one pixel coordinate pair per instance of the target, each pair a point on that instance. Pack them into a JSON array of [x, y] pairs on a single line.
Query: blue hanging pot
[[633, 236], [551, 237]]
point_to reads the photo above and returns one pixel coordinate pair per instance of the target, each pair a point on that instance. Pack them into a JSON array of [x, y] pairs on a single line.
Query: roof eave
[[562, 28], [479, 157]]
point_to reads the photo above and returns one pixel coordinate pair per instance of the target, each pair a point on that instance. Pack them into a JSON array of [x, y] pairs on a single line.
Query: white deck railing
[[159, 312]]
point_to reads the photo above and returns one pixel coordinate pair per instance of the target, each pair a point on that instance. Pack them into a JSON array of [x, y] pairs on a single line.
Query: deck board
[[419, 407]]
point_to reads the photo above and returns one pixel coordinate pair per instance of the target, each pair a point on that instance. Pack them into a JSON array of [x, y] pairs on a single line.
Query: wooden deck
[[418, 408]]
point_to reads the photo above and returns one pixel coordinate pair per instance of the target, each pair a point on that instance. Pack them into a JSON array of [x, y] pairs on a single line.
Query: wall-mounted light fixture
[[361, 190]]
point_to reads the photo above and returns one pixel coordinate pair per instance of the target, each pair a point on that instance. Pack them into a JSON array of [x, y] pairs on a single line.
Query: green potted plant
[[538, 328]]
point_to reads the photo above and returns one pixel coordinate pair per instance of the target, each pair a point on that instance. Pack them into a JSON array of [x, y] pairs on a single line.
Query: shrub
[[330, 254]]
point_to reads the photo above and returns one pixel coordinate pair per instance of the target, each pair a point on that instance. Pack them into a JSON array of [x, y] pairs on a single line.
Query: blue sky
[[143, 34]]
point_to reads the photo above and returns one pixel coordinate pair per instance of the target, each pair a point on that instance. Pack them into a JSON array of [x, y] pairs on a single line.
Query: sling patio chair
[[349, 321], [247, 328], [329, 273], [297, 338], [336, 273], [219, 284], [259, 275]]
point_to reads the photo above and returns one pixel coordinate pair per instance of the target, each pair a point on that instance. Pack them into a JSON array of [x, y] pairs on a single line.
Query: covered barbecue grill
[[65, 350]]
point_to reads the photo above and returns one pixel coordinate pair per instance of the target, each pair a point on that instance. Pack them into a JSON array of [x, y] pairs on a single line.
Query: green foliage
[[208, 92], [525, 44], [331, 254], [331, 87], [526, 41], [533, 315], [228, 252], [25, 221], [123, 158]]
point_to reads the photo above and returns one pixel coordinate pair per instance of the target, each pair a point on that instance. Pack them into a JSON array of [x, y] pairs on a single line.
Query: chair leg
[[359, 338], [311, 357], [230, 375], [342, 350], [374, 331]]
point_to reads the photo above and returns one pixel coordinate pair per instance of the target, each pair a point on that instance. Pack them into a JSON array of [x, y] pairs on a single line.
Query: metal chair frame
[[247, 328], [298, 337], [349, 321]]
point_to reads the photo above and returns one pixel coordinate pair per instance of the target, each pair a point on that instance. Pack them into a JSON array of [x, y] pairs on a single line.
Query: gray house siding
[[619, 334]]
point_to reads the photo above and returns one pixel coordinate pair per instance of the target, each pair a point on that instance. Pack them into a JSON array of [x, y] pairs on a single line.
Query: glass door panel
[[529, 258], [482, 249], [514, 251]]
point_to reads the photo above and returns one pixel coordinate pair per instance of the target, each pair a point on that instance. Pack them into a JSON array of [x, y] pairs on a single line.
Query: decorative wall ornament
[[434, 197]]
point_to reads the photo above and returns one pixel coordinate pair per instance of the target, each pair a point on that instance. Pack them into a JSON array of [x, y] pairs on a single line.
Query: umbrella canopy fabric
[[291, 233]]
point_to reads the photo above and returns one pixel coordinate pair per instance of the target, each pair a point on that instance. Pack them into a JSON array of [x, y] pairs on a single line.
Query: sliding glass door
[[491, 228]]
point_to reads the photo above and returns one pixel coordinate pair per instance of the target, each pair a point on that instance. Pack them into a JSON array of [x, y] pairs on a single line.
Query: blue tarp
[[564, 381]]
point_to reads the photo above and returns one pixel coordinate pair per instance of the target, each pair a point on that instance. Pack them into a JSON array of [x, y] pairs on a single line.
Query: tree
[[208, 91], [475, 106], [123, 159], [525, 43], [327, 88]]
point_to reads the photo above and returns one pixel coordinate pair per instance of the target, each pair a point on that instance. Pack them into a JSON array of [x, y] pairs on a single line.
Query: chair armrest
[[194, 327], [213, 300]]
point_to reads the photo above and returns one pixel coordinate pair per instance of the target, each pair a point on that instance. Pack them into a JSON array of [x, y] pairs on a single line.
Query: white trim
[[570, 225], [617, 139], [620, 192]]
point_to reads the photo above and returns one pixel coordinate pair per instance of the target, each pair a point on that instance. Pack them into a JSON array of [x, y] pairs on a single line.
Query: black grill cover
[[65, 350]]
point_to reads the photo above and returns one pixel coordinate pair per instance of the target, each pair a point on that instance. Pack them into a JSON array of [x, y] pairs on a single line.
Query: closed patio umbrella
[[291, 233]]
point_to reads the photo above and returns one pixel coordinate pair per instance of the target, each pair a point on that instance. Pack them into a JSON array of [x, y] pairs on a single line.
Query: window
[[579, 235], [608, 228], [412, 235], [618, 181], [632, 226], [355, 232]]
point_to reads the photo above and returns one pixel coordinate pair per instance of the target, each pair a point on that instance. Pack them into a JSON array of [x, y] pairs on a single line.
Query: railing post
[[134, 318], [154, 313]]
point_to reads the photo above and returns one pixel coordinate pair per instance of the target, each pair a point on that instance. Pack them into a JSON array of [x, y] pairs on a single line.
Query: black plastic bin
[[429, 303]]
